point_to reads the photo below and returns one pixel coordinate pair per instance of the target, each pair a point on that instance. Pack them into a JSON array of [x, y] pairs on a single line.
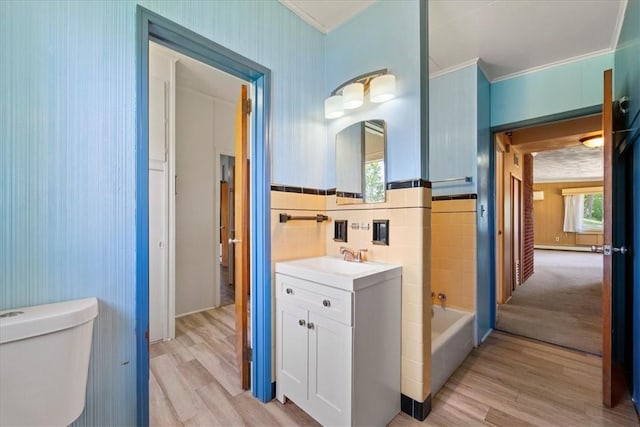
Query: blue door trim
[[151, 26]]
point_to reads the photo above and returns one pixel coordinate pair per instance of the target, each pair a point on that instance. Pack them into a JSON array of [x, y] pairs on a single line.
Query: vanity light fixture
[[333, 107], [382, 88], [594, 141], [353, 96], [380, 84]]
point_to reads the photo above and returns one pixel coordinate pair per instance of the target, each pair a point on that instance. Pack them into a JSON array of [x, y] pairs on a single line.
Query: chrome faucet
[[351, 254]]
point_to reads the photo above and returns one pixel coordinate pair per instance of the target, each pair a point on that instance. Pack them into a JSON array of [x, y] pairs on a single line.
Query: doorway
[[152, 27], [549, 283], [191, 164]]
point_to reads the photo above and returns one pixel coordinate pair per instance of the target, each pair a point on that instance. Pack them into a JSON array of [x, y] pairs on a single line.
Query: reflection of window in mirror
[[360, 163], [374, 162]]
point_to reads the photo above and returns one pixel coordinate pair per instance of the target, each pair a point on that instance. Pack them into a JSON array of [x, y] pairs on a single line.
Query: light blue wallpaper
[[559, 89], [386, 35], [453, 130], [67, 151], [67, 142]]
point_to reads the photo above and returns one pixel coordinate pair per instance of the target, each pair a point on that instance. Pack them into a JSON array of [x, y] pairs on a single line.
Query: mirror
[[360, 163]]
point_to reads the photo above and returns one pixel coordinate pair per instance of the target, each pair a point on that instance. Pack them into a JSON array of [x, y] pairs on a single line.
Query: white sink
[[338, 273]]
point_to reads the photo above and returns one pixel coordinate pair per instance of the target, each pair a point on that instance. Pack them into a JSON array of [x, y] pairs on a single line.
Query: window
[[583, 209], [593, 212], [374, 181]]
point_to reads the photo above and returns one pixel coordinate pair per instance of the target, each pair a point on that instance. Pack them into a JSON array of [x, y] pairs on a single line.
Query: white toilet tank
[[44, 362]]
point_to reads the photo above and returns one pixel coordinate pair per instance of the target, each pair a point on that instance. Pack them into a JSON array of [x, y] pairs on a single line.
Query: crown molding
[[458, 67], [554, 64], [305, 16]]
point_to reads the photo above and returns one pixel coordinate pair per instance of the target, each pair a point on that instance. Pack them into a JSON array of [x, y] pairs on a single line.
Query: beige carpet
[[561, 303]]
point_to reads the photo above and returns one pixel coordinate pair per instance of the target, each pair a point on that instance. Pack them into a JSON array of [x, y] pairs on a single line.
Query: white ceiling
[[508, 36], [326, 15], [201, 77], [570, 164]]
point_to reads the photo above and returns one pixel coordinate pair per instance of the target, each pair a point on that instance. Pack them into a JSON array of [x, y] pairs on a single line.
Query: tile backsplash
[[453, 252]]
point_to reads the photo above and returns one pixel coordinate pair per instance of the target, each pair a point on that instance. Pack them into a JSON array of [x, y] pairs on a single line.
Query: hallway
[[561, 303]]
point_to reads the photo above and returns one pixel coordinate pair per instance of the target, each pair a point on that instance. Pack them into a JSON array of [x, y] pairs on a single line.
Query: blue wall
[[636, 274], [485, 296], [563, 88], [368, 42], [67, 151], [627, 82], [453, 130], [627, 59]]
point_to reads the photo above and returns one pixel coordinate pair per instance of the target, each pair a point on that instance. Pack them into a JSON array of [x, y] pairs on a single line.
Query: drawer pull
[[326, 303], [310, 325], [289, 291], [301, 322]]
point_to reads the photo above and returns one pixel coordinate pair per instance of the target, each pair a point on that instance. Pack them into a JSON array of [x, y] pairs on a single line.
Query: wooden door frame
[[153, 27]]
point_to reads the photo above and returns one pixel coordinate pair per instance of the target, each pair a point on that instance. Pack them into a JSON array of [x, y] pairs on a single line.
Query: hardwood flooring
[[508, 381]]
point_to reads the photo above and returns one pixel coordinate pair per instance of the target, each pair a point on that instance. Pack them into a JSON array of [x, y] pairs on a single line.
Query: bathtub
[[452, 339]]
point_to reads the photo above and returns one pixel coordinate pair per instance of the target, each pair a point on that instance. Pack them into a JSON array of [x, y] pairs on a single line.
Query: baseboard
[[564, 248], [196, 311], [416, 409]]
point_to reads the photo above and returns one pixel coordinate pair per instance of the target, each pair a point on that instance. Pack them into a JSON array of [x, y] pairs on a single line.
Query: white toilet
[[44, 362]]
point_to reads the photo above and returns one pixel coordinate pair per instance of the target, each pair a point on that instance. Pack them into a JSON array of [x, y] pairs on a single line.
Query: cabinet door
[[292, 352], [330, 350]]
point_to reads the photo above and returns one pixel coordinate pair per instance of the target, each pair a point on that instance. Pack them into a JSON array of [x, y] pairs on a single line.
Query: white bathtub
[[452, 339]]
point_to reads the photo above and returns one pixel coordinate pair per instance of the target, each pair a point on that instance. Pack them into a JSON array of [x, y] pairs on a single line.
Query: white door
[[330, 347], [292, 351], [158, 208]]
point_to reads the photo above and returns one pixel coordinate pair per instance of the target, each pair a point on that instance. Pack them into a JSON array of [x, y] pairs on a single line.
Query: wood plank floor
[[508, 381]]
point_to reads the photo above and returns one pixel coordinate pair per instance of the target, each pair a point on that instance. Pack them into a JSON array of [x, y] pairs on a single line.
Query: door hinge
[[249, 354], [247, 106]]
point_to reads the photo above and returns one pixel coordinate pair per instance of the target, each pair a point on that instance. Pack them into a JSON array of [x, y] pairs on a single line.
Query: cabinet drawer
[[332, 303]]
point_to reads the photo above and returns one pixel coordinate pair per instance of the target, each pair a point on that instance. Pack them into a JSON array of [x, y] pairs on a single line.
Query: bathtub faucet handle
[[442, 297]]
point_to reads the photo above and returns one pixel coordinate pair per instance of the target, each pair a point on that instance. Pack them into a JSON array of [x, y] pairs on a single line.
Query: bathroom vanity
[[338, 339]]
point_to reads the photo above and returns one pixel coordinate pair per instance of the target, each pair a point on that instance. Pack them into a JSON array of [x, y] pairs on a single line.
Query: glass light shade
[[593, 142], [353, 95], [333, 107], [382, 88]]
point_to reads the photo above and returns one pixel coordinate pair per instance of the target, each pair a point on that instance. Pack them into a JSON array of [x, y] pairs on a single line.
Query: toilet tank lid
[[44, 319]]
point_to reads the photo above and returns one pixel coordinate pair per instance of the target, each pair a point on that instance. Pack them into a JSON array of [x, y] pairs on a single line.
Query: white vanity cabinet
[[338, 347]]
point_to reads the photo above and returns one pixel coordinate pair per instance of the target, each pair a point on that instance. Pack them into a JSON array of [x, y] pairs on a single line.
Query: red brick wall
[[527, 226]]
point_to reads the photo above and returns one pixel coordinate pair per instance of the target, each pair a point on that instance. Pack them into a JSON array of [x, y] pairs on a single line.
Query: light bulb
[[382, 88]]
